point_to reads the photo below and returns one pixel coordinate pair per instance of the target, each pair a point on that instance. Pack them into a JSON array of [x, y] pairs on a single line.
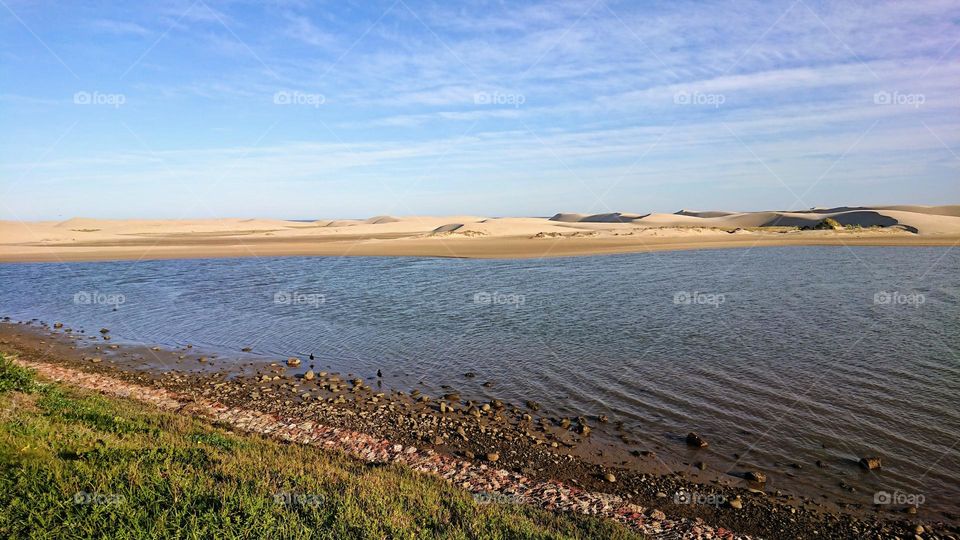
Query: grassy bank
[[79, 465]]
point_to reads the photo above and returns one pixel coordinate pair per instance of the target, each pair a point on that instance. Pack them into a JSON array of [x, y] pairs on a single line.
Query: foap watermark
[[484, 298], [897, 298], [693, 497], [699, 99], [86, 498], [499, 98], [97, 298], [697, 298], [296, 97], [99, 98], [286, 498], [896, 98], [297, 298], [898, 498], [493, 498]]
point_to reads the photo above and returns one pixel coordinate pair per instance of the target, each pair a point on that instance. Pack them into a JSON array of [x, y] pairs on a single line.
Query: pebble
[[756, 476], [736, 503], [309, 375], [493, 457], [293, 361], [696, 440], [609, 477], [870, 463]]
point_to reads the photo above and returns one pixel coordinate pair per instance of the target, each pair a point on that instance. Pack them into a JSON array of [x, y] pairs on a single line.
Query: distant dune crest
[[943, 219], [566, 233]]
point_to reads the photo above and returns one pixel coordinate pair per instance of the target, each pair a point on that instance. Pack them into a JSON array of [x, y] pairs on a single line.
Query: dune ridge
[[476, 236]]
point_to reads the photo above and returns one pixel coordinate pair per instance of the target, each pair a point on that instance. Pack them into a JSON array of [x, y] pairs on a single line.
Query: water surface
[[781, 355]]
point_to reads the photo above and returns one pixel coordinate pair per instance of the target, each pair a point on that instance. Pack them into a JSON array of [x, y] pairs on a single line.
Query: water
[[782, 355]]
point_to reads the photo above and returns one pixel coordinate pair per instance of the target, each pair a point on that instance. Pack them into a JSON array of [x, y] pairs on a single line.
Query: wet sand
[[526, 440], [471, 248]]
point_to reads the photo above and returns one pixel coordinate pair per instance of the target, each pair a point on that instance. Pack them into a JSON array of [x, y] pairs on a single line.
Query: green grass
[[78, 465]]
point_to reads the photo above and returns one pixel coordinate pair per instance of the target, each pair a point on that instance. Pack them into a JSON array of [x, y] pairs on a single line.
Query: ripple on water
[[798, 353]]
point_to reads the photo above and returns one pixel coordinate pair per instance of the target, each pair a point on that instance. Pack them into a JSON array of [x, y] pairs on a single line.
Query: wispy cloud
[[434, 97]]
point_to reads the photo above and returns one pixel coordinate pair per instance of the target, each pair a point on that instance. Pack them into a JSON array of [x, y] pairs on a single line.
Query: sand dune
[[914, 219], [707, 214], [475, 236]]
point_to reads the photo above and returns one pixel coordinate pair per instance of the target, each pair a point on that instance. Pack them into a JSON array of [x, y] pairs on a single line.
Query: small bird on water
[[311, 356], [379, 374]]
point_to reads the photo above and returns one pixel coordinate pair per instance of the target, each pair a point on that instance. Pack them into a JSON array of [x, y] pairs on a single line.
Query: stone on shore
[[756, 476], [696, 440]]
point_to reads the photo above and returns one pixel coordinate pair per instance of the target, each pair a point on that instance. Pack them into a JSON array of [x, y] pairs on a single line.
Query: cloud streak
[[489, 100]]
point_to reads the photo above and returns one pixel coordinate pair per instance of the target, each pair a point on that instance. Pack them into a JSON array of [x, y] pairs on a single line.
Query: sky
[[308, 110]]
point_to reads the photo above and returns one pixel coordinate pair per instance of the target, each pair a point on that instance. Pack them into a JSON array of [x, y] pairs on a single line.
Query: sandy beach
[[564, 234]]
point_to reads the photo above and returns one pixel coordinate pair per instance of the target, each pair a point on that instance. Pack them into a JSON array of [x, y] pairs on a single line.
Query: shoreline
[[509, 247], [466, 431]]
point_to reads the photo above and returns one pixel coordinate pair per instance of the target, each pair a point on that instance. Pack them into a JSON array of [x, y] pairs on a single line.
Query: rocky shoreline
[[500, 451]]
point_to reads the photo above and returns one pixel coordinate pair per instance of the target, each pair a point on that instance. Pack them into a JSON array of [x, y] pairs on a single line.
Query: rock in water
[[696, 440], [756, 476], [293, 361], [870, 463]]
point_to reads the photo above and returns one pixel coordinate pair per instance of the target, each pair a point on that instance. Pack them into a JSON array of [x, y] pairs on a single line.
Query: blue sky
[[351, 109]]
